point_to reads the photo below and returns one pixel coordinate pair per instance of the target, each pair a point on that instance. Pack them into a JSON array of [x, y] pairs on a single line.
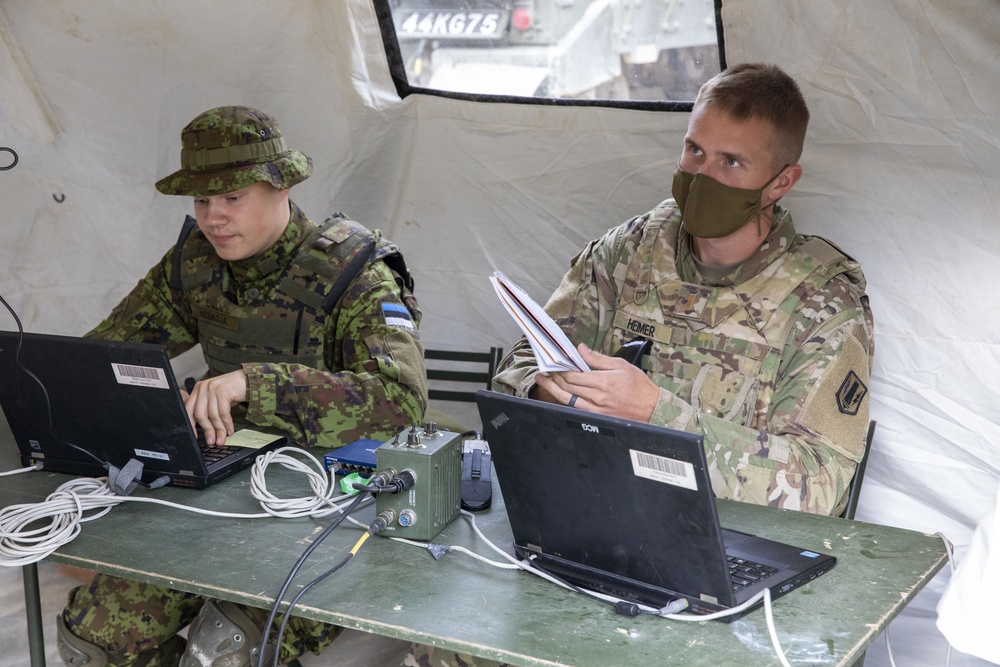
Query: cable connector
[[382, 477], [348, 481], [626, 608], [382, 521], [378, 482], [675, 607], [404, 481]]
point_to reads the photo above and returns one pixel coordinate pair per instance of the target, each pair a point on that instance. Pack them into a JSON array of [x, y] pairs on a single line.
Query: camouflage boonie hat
[[230, 148]]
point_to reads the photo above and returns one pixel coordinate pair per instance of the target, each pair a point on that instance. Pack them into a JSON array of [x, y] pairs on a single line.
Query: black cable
[[399, 483], [45, 393], [112, 470], [295, 601], [623, 607], [291, 575], [381, 521]]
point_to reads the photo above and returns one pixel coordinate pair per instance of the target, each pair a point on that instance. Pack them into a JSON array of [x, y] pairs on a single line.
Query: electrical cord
[[669, 611], [381, 521], [291, 575], [387, 481], [949, 550], [87, 498], [41, 385], [326, 497], [18, 471]]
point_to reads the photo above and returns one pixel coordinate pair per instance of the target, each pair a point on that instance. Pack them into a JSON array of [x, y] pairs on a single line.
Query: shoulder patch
[[852, 391], [396, 315]]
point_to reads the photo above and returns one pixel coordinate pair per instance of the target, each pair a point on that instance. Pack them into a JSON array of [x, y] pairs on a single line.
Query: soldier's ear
[[785, 181]]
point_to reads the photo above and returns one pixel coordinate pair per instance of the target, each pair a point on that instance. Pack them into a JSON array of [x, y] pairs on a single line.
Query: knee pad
[[76, 652], [223, 636]]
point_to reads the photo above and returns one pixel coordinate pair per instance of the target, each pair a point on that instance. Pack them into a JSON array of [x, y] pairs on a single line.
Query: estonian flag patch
[[396, 315]]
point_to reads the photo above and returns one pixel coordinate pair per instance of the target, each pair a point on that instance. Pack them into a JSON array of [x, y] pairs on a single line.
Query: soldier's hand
[[209, 404], [613, 386]]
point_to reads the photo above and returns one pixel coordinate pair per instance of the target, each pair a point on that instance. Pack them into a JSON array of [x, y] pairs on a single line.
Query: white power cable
[[18, 471], [58, 518], [949, 550], [764, 595]]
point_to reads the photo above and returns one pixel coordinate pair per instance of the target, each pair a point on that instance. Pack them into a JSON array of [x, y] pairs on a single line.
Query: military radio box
[[434, 457]]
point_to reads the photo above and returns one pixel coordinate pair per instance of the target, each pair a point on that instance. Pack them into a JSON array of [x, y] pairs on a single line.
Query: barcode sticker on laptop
[[663, 469], [140, 376]]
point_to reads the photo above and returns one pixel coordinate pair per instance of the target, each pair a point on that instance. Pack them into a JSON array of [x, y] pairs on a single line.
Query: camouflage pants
[[424, 656], [137, 624]]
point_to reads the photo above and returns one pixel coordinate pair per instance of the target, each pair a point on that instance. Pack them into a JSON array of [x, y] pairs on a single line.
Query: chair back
[[854, 491]]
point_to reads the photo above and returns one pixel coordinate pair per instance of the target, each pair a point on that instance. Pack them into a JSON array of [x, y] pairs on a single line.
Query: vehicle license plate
[[456, 25]]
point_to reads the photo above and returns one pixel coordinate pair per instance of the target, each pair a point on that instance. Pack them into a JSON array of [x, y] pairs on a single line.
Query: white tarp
[[901, 170]]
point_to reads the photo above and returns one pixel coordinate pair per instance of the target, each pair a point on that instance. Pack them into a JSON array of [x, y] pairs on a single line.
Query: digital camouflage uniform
[[325, 379], [325, 370], [772, 364], [362, 377]]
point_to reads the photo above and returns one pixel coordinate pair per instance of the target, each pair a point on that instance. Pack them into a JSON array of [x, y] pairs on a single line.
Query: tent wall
[[900, 170]]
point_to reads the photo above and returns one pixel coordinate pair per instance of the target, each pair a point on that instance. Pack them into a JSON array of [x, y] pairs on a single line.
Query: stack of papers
[[553, 350]]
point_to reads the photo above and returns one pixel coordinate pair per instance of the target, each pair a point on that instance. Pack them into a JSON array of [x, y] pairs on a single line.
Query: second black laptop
[[106, 402], [627, 509]]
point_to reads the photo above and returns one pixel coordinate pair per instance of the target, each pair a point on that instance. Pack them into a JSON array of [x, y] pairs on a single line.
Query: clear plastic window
[[639, 50]]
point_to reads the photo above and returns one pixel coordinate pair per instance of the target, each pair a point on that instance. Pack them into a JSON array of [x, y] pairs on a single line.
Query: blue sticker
[[809, 554]]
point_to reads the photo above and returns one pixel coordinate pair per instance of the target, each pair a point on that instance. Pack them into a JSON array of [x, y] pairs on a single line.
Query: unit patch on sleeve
[[852, 391]]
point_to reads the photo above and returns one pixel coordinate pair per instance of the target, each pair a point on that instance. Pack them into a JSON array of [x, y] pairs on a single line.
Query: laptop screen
[[75, 404], [619, 497]]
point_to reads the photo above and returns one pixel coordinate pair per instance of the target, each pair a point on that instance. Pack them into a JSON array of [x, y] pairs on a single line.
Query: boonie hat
[[230, 148]]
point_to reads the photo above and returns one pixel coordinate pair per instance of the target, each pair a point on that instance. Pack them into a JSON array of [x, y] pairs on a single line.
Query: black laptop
[[626, 509], [107, 402]]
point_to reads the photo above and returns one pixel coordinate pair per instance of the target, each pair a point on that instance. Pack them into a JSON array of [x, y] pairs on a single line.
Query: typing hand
[[209, 403], [613, 386]]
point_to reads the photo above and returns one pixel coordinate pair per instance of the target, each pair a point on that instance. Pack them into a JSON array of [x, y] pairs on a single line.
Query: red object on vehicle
[[521, 18]]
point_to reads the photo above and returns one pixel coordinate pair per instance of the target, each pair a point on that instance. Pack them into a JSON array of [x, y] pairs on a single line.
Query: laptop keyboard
[[743, 572], [213, 453]]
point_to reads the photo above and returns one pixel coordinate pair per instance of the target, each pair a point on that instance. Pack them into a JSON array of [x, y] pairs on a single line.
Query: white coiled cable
[[29, 532]]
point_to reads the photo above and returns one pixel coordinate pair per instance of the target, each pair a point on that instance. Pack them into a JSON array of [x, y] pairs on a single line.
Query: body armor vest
[[286, 325], [721, 342]]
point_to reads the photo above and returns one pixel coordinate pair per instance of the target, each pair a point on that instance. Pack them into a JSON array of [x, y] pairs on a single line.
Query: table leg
[[33, 613]]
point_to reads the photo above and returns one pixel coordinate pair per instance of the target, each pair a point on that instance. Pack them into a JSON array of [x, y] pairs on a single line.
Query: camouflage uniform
[[325, 372], [357, 372], [771, 363]]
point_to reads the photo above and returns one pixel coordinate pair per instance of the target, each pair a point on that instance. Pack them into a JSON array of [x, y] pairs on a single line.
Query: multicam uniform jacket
[[326, 373], [771, 363]]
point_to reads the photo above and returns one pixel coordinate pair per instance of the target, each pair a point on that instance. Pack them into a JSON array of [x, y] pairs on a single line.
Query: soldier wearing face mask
[[759, 337]]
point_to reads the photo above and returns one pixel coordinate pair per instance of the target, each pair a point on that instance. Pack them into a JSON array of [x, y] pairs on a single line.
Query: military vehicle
[[614, 49]]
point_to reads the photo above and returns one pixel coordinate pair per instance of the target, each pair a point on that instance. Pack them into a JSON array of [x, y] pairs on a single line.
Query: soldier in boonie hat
[[306, 327], [232, 147]]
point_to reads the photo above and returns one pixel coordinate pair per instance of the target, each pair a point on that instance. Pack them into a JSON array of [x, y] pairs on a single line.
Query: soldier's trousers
[[137, 624]]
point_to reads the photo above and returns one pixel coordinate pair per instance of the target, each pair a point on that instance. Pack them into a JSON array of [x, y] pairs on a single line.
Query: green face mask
[[711, 210]]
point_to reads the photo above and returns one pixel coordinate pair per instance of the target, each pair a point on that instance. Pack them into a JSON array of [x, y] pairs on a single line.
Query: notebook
[[118, 401], [626, 509]]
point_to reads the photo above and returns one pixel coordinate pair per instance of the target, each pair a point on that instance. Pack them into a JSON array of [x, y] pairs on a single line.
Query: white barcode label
[[663, 469], [145, 453], [140, 376]]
